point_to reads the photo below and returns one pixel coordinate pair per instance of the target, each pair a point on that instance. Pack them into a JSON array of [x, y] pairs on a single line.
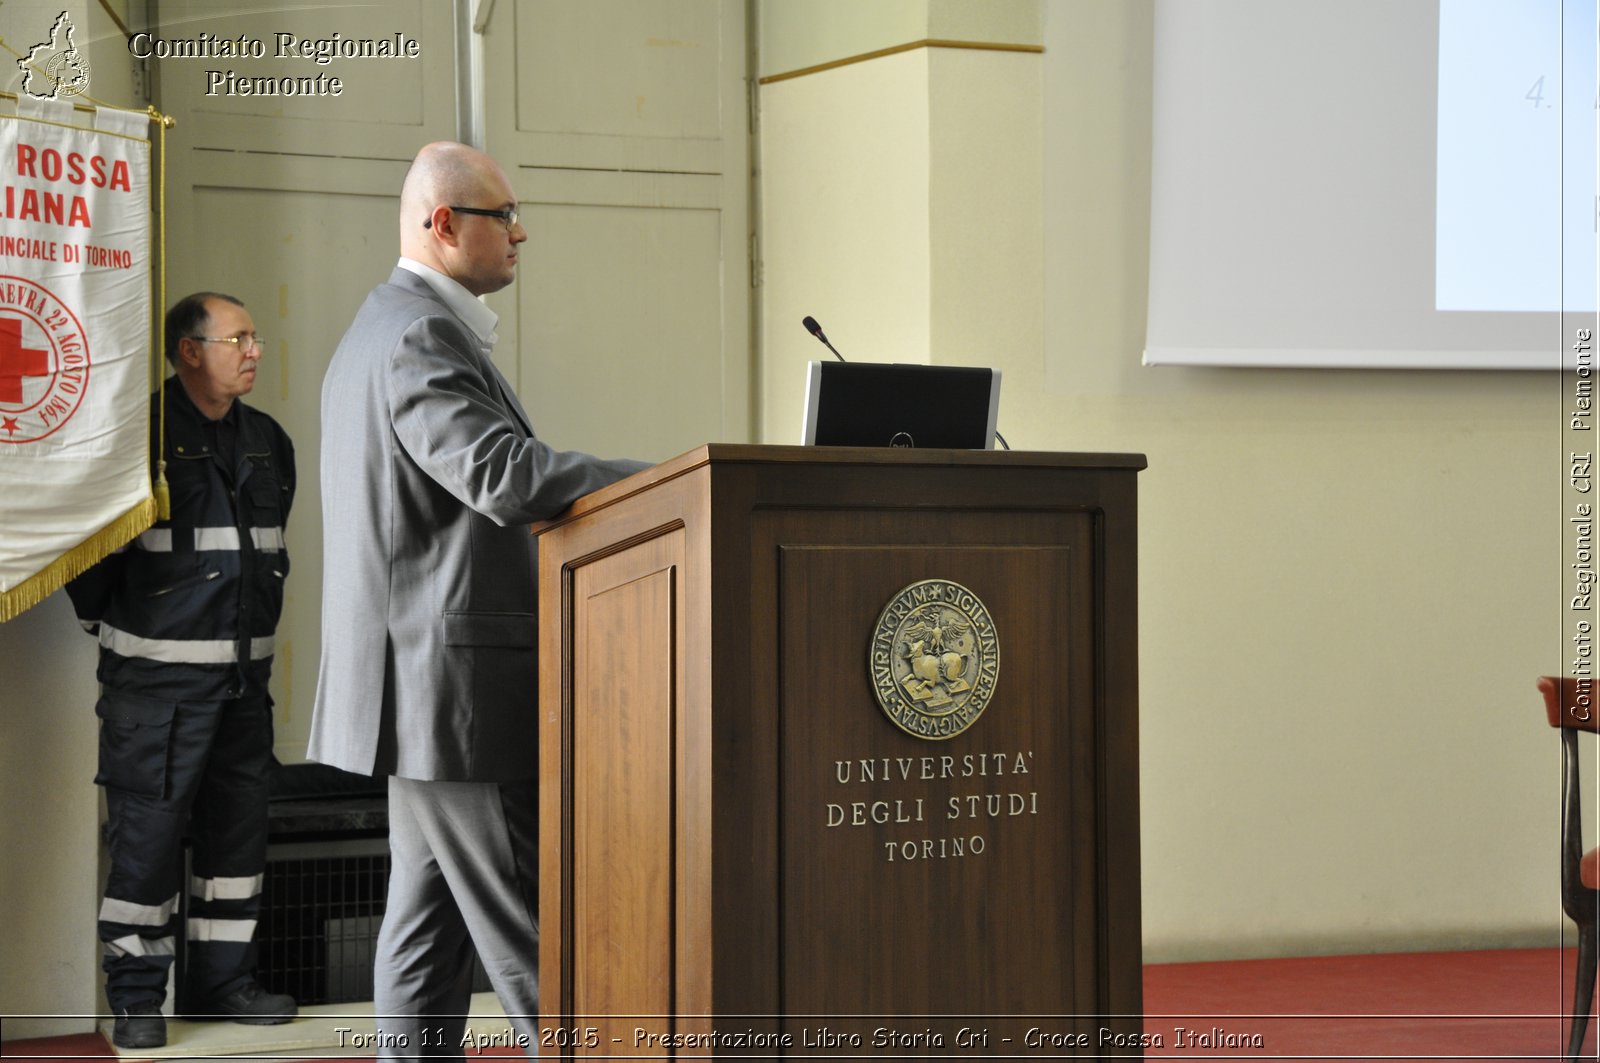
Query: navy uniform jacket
[[188, 611]]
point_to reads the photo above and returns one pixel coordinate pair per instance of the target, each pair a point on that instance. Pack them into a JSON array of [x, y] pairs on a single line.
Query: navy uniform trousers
[[166, 766]]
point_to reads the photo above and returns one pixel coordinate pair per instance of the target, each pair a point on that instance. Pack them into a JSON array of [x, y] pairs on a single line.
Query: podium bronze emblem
[[934, 659]]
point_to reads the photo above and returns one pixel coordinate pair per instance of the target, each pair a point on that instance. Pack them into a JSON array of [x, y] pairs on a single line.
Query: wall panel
[[290, 204], [625, 127]]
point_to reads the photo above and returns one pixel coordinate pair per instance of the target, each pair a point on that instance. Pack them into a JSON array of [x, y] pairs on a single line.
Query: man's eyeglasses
[[508, 217], [246, 344]]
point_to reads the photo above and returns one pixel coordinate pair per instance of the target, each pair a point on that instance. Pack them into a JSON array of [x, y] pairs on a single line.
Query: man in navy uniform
[[185, 616]]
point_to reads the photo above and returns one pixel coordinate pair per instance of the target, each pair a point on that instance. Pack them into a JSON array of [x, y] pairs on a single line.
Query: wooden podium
[[744, 852]]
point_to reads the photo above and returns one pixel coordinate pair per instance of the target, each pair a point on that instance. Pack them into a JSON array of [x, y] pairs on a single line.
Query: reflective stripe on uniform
[[156, 540], [266, 540], [225, 889], [113, 910], [216, 538], [134, 945], [221, 929], [180, 651]]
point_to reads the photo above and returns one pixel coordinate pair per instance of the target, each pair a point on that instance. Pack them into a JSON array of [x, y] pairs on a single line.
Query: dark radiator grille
[[323, 902], [323, 894]]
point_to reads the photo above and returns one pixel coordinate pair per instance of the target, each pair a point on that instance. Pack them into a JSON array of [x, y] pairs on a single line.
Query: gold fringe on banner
[[75, 562]]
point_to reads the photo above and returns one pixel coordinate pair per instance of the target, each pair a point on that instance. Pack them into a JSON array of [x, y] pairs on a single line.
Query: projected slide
[[1517, 205]]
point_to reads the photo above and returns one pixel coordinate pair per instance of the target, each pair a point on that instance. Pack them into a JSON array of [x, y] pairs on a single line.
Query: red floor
[[1506, 1005], [1502, 1005]]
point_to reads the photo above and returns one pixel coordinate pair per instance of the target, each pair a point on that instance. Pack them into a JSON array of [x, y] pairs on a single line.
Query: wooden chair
[[1573, 705]]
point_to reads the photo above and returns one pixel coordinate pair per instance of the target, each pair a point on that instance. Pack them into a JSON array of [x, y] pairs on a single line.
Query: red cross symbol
[[17, 361]]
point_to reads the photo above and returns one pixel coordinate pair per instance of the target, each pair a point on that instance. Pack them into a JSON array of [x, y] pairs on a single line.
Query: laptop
[[867, 404]]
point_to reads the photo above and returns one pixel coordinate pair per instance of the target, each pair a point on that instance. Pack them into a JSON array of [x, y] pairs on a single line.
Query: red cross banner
[[75, 343]]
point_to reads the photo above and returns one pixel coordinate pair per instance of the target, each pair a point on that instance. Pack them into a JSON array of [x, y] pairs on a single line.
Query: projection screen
[[1372, 183]]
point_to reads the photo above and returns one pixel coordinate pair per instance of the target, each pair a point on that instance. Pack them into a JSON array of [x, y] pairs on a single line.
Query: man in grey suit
[[430, 472]]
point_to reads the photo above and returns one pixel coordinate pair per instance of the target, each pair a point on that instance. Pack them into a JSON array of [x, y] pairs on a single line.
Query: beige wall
[[1349, 580]]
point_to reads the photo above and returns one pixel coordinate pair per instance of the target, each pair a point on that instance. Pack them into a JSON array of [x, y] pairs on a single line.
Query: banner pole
[[162, 492]]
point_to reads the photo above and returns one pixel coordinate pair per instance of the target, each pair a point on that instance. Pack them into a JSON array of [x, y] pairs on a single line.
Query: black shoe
[[141, 1026], [253, 1005]]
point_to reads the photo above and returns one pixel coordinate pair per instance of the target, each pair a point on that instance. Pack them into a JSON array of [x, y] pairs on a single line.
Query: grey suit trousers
[[464, 873]]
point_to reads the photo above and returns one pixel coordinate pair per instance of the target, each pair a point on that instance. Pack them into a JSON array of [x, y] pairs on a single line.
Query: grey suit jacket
[[430, 472]]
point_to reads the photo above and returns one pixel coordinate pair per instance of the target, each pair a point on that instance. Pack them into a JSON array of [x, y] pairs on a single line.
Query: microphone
[[816, 330]]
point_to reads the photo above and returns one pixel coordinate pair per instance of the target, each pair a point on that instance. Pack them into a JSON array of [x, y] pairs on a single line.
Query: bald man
[[430, 473]]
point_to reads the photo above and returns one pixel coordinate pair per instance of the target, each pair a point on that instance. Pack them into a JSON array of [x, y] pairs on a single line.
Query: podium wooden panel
[[741, 853]]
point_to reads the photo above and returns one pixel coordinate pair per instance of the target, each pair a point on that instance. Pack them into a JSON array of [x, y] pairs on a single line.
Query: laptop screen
[[865, 404]]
